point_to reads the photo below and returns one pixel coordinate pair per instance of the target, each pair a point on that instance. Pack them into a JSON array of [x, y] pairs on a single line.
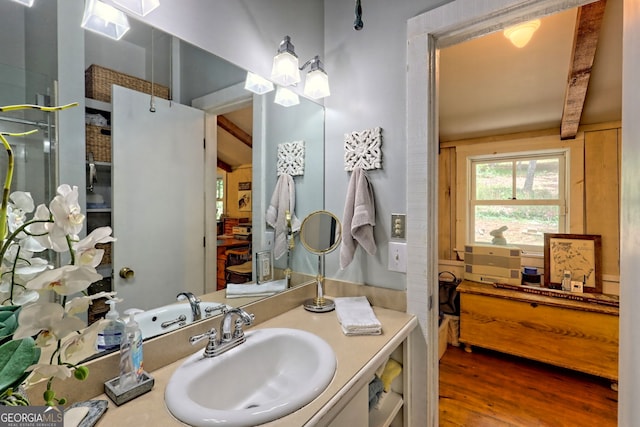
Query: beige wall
[[595, 196]]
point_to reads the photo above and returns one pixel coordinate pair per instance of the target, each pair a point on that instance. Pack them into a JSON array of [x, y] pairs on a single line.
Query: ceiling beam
[[234, 130], [585, 41], [224, 166]]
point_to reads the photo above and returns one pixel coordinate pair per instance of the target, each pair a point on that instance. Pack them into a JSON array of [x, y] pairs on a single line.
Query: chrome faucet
[[194, 302], [229, 339]]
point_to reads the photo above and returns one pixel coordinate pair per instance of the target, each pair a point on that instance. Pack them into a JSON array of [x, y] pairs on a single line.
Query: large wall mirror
[[254, 125]]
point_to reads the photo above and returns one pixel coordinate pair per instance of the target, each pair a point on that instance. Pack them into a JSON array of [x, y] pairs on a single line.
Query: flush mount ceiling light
[[104, 19], [521, 34], [27, 3], [139, 7], [257, 84], [286, 97], [286, 72]]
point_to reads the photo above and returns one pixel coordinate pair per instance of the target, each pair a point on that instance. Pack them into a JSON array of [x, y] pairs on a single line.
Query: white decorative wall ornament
[[291, 158], [363, 149]]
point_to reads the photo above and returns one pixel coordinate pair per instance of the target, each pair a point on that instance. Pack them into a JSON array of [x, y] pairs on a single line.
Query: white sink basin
[[151, 321], [274, 373]]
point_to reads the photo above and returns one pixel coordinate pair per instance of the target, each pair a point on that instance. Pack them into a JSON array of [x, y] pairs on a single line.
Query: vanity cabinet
[[577, 335], [389, 412]]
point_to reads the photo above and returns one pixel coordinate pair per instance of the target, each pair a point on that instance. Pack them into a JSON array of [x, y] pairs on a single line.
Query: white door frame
[[220, 102], [450, 24]]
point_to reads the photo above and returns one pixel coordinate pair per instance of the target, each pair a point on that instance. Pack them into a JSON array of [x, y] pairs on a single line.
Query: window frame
[[560, 201], [522, 144], [219, 215]]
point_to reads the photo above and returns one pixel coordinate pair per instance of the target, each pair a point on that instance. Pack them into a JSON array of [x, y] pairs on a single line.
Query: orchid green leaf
[[15, 357]]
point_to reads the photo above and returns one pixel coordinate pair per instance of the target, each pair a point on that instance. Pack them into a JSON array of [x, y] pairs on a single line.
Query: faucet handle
[[211, 334], [238, 332]]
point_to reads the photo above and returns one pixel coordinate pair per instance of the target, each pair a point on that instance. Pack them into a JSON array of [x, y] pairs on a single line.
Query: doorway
[[448, 25]]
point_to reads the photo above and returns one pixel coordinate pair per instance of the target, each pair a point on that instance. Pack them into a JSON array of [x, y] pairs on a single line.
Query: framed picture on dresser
[[580, 254]]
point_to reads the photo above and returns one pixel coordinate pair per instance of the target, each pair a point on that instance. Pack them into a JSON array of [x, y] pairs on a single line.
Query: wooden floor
[[485, 388]]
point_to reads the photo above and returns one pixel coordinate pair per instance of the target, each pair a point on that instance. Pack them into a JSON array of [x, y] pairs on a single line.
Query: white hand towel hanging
[[359, 218], [282, 200]]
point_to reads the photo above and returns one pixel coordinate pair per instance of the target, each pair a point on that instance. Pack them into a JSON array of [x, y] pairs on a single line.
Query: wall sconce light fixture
[[27, 3], [104, 19], [257, 84], [286, 72], [521, 34], [139, 7], [286, 97], [317, 84]]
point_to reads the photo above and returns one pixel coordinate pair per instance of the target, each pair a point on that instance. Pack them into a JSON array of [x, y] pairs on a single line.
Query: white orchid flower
[[44, 370], [81, 304], [86, 252], [66, 280], [82, 345], [26, 266], [66, 211], [23, 201], [48, 321], [40, 231], [17, 211], [27, 270], [20, 295]]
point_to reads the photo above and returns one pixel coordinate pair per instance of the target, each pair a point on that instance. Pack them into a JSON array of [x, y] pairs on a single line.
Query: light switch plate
[[269, 237], [398, 257]]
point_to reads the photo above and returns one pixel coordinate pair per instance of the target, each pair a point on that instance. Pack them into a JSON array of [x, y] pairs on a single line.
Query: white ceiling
[[489, 87]]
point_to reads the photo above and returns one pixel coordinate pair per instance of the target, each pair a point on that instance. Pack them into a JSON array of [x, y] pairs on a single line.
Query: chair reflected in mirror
[[238, 267]]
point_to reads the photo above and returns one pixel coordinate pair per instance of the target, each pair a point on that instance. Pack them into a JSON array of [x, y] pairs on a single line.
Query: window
[[219, 198], [522, 195]]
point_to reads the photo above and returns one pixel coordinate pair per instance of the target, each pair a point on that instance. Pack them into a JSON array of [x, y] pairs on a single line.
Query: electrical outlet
[[398, 223], [398, 257]]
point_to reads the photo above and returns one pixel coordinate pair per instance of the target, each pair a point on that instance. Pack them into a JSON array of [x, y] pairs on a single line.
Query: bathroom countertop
[[358, 357]]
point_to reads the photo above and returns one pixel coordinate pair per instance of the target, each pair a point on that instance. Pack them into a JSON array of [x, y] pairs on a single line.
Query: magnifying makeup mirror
[[320, 233]]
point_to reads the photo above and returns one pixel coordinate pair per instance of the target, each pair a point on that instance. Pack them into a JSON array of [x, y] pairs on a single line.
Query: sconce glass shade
[[257, 84], [286, 97], [139, 7], [27, 3], [521, 34], [316, 85], [104, 19], [285, 71]]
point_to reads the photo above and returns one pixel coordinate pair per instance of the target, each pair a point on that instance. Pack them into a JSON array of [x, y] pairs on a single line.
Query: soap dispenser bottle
[[111, 336], [131, 368]]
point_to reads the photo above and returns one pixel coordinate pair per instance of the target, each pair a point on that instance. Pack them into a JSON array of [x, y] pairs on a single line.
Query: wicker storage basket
[[98, 81], [98, 143], [106, 258]]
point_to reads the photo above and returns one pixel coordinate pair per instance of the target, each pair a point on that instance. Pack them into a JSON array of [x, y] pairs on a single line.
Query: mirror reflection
[[244, 137], [320, 233]]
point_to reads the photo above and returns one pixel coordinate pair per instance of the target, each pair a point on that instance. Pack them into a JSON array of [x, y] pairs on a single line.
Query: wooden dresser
[[582, 336]]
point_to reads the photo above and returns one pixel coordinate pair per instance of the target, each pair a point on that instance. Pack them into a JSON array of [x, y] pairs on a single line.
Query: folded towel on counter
[[356, 316], [243, 290], [282, 200], [359, 218]]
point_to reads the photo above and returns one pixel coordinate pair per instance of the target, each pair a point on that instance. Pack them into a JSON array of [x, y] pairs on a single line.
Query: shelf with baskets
[[98, 192]]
